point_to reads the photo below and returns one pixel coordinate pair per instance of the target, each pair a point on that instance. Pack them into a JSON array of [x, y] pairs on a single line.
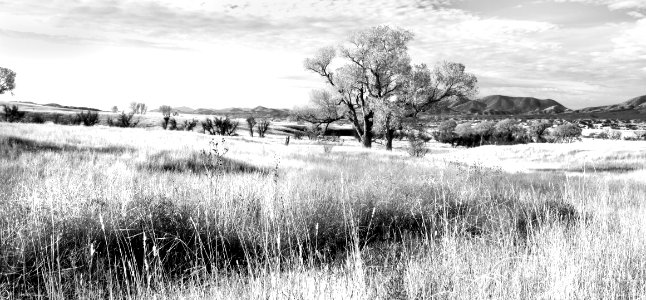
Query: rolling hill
[[636, 104], [506, 105]]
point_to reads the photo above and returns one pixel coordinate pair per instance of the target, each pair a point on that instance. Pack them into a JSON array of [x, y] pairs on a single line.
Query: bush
[[508, 131], [13, 113], [124, 120], [445, 132], [613, 134], [221, 126], [165, 121], [190, 125], [417, 144], [567, 133], [466, 135], [485, 130], [327, 147], [88, 118], [640, 135], [38, 119], [537, 130], [172, 124]]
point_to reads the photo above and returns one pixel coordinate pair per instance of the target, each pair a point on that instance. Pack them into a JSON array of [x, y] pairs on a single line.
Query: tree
[[138, 108], [376, 62], [133, 107], [115, 109], [166, 111], [7, 80], [322, 110], [263, 126], [378, 84], [251, 121]]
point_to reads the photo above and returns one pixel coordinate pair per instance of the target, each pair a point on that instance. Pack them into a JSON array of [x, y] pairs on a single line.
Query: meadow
[[103, 212]]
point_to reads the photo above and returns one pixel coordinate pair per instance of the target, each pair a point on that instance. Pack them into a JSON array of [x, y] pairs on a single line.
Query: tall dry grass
[[128, 213]]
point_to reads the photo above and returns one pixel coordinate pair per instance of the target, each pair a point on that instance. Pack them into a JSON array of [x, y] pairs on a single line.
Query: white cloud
[[266, 40]]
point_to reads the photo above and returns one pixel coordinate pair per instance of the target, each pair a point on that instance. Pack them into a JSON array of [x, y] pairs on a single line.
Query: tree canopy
[[377, 85], [7, 80]]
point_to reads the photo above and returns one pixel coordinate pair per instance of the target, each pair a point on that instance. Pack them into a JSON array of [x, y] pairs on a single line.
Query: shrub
[[640, 135], [190, 125], [313, 132], [262, 127], [508, 131], [613, 134], [417, 144], [466, 135], [58, 119], [38, 119], [485, 130], [172, 124], [13, 113], [88, 118], [165, 121], [445, 132], [567, 133], [537, 130], [124, 120], [327, 147], [298, 134], [221, 126]]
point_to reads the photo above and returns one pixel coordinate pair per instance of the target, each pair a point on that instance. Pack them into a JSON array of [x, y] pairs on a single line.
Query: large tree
[[375, 63], [7, 80], [378, 87]]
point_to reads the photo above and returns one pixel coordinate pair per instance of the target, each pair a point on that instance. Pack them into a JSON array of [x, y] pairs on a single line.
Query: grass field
[[98, 212]]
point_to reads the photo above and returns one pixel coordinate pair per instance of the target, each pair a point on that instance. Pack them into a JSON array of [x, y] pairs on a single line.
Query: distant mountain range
[[235, 112], [489, 105]]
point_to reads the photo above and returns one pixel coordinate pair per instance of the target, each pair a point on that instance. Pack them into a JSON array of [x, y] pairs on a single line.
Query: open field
[[98, 212]]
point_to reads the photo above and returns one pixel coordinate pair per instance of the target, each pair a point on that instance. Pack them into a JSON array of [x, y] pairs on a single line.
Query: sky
[[217, 54]]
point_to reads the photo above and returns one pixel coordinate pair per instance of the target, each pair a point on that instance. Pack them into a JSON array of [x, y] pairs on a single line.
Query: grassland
[[134, 213]]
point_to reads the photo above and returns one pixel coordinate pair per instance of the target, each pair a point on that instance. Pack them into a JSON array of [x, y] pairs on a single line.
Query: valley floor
[[99, 212]]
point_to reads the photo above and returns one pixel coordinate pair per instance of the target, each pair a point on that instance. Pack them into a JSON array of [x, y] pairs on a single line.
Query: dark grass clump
[[195, 163], [11, 146]]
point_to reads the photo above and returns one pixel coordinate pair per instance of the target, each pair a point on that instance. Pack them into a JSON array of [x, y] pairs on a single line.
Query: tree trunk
[[366, 139], [390, 135]]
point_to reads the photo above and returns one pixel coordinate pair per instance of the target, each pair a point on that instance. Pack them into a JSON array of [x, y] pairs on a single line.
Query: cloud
[[512, 54]]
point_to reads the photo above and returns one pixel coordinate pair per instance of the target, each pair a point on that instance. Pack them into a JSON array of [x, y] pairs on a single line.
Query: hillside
[[637, 105], [503, 105], [520, 105]]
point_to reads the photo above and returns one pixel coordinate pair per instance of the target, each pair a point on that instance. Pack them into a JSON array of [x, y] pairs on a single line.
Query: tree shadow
[[167, 161], [18, 145]]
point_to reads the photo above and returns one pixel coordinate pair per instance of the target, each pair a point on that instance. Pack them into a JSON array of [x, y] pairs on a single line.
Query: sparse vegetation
[[13, 113], [86, 118], [567, 133], [164, 227], [262, 127], [190, 125], [221, 126], [124, 120], [251, 123], [417, 144], [138, 108]]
